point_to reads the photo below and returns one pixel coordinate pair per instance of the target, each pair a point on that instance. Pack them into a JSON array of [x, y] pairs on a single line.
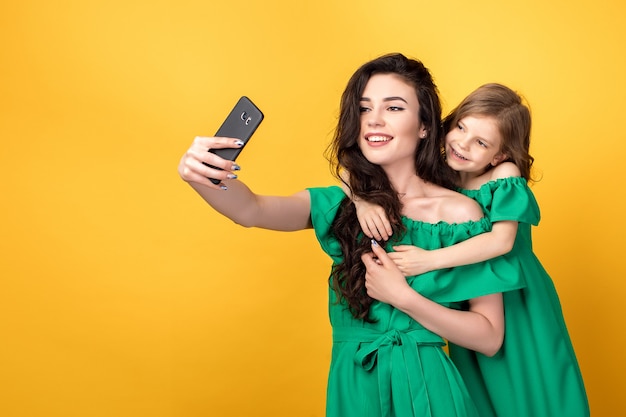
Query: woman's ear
[[500, 157], [423, 133]]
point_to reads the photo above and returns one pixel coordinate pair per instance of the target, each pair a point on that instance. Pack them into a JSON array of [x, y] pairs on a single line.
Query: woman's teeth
[[378, 139]]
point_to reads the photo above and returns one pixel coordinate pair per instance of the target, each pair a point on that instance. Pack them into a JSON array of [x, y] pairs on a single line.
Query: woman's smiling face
[[390, 125]]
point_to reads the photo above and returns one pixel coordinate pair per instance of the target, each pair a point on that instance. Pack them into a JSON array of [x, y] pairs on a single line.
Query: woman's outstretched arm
[[234, 199]]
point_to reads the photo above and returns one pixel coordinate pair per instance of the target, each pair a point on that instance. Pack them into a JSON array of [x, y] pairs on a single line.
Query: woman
[[388, 331]]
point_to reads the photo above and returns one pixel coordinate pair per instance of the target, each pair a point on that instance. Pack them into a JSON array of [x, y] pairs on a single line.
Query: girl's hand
[[383, 280], [373, 220], [193, 166], [411, 260]]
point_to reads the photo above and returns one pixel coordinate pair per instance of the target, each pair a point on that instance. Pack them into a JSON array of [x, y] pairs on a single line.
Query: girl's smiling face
[[474, 144]]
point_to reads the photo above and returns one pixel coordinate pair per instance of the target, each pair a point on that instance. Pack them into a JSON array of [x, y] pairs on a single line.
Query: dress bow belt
[[394, 354]]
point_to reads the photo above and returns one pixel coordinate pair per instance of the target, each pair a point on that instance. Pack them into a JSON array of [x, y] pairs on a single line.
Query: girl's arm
[[233, 198], [412, 260], [480, 329]]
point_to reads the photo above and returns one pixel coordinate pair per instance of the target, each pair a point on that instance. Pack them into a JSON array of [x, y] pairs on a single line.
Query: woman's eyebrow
[[393, 98]]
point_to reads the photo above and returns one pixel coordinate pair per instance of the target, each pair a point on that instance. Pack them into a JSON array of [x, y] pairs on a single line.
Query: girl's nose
[[464, 143]]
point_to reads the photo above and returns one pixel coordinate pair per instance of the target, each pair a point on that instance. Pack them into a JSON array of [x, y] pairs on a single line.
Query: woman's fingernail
[[374, 243], [231, 176], [239, 142], [235, 167], [223, 187]]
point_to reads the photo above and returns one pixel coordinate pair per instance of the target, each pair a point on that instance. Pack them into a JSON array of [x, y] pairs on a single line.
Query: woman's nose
[[374, 119]]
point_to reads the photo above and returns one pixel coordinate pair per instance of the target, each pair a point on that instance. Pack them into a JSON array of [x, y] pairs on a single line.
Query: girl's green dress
[[535, 373], [395, 367]]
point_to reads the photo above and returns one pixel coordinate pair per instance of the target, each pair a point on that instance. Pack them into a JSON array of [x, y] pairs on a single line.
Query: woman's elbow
[[507, 246], [493, 345], [247, 223], [246, 218]]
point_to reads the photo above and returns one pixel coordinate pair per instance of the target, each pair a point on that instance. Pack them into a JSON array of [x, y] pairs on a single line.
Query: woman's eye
[[363, 109], [395, 108]]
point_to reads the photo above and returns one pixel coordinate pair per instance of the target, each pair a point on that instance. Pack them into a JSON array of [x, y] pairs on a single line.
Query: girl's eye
[[458, 126], [363, 109], [481, 143]]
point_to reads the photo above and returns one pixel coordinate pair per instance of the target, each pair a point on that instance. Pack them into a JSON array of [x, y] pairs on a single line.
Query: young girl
[[535, 373], [388, 332]]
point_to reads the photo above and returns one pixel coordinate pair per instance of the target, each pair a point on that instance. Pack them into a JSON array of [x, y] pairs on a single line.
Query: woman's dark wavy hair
[[512, 115], [368, 181]]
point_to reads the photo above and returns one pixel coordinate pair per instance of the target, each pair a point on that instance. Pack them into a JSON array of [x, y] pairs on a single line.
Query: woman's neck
[[401, 176], [408, 184]]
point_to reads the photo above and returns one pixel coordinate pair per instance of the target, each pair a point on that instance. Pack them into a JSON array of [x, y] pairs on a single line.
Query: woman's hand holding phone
[[199, 165], [212, 158]]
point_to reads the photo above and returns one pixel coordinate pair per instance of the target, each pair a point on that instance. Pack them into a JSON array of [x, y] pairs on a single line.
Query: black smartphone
[[241, 123]]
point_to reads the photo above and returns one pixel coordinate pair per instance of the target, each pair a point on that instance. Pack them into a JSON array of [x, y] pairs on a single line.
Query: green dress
[[535, 373], [395, 367]]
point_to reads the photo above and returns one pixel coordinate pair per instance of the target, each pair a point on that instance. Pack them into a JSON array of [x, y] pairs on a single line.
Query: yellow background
[[122, 294]]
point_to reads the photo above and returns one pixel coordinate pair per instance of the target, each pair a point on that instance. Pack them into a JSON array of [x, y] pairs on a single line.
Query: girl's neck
[[473, 180]]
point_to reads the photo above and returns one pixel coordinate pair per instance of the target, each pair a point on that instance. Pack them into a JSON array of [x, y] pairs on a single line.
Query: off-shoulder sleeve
[[324, 206], [510, 199]]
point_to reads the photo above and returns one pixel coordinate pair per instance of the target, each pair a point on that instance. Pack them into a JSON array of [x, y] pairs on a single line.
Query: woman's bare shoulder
[[443, 205], [458, 208]]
